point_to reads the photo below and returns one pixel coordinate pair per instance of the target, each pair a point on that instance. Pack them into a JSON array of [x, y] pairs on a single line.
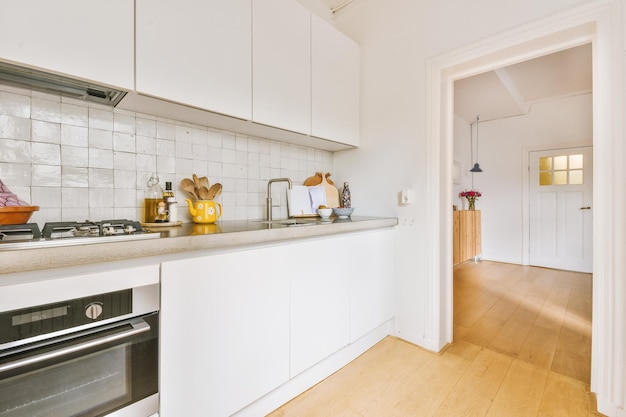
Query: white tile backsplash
[[81, 161]]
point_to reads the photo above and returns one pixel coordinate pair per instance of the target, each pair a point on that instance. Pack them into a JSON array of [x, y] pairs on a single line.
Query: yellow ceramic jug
[[204, 211]]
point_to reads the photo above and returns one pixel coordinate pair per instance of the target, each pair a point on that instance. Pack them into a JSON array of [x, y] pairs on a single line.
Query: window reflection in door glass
[[576, 161], [576, 176], [560, 162]]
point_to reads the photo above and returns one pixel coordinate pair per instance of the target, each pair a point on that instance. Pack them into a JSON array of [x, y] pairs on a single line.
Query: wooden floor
[[521, 348]]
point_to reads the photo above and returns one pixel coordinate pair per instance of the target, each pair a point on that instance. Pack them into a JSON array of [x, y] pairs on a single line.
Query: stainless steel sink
[[291, 222]]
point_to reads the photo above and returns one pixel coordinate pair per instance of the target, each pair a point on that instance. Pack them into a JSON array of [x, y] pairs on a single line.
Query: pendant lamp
[[476, 167]]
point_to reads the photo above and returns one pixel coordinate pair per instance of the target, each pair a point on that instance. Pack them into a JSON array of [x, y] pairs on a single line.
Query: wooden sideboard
[[467, 235]]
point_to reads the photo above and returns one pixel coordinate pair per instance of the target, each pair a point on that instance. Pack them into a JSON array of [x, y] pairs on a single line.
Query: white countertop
[[179, 239]]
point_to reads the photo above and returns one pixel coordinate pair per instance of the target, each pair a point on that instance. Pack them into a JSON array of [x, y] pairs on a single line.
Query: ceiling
[[512, 90], [336, 5]]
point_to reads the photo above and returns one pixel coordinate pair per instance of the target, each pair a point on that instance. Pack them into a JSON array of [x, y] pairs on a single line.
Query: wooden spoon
[[215, 191], [204, 181], [196, 181], [203, 192], [188, 185]]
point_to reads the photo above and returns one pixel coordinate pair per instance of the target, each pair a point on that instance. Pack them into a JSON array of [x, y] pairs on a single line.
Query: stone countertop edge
[[233, 234]]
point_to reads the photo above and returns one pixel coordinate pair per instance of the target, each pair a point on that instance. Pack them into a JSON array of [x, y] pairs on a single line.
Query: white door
[[561, 209]]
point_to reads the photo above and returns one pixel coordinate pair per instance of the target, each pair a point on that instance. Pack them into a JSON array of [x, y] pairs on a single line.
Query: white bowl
[[325, 213]]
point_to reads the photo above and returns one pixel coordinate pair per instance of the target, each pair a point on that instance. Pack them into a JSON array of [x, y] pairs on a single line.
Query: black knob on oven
[[93, 310]]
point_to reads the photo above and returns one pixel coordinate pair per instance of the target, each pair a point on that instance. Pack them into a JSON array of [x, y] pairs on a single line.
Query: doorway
[[600, 24]]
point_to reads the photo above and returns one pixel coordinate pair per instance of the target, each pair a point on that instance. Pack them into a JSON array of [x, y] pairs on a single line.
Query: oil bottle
[[152, 197]]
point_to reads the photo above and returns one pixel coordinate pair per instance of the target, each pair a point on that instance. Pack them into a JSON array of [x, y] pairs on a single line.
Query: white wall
[[397, 39], [565, 122]]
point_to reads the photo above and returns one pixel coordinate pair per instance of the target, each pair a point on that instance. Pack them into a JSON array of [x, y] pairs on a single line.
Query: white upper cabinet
[[335, 84], [196, 52], [281, 62], [91, 40]]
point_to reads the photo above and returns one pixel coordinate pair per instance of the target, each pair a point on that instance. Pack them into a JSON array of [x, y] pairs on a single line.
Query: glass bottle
[[170, 202], [153, 195], [346, 199]]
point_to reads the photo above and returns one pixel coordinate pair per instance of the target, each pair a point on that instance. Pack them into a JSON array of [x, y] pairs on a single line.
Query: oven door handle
[[138, 326]]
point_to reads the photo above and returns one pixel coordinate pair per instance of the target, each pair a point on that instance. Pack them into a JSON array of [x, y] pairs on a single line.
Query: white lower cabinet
[[224, 331], [237, 325], [372, 299], [320, 306]]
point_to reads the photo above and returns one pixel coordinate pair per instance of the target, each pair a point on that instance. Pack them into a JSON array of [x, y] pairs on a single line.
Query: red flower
[[471, 194]]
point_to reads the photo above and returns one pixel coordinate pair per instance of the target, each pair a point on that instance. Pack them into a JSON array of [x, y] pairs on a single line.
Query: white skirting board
[[300, 383]]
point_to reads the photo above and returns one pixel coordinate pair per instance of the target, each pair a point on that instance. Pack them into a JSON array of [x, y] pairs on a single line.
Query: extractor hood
[[56, 84]]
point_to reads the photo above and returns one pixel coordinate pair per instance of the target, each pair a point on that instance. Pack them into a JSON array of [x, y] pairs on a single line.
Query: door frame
[[526, 189], [598, 22]]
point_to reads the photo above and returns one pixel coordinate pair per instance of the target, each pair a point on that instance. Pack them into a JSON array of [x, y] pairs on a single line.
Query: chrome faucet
[[269, 194]]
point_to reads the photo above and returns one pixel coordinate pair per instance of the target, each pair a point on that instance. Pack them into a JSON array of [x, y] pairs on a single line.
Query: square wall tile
[[15, 151], [123, 123], [46, 153], [42, 131], [46, 196], [74, 177], [12, 127], [123, 142], [100, 138], [47, 175], [12, 104], [74, 135], [74, 115], [73, 156], [46, 110], [14, 174], [100, 119], [74, 198]]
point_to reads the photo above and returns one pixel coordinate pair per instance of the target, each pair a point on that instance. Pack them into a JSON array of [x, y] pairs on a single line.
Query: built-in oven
[[95, 355]]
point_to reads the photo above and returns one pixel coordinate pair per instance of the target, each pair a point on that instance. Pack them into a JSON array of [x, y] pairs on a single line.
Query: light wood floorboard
[[521, 348]]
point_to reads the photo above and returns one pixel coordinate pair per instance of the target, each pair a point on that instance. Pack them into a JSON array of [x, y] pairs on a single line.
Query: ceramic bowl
[[16, 214], [343, 212], [325, 213]]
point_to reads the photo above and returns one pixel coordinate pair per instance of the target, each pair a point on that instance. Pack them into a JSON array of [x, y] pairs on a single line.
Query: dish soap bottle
[[345, 196], [152, 197]]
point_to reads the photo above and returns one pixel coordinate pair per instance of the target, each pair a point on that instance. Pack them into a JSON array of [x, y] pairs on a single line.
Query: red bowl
[[16, 214]]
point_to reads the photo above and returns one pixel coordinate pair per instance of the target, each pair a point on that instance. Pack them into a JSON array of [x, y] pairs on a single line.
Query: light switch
[[406, 196]]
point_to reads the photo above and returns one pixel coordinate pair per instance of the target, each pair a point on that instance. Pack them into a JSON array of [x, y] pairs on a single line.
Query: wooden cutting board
[[332, 194]]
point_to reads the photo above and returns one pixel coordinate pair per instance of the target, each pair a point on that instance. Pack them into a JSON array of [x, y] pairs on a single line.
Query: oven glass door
[[89, 374]]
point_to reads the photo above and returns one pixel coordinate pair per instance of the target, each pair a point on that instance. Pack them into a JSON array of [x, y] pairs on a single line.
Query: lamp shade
[[476, 168]]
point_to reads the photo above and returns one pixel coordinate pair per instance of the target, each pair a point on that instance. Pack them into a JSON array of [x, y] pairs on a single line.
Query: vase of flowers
[[472, 196]]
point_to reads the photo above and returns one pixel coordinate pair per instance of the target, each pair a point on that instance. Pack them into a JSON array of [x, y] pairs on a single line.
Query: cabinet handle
[[586, 208]]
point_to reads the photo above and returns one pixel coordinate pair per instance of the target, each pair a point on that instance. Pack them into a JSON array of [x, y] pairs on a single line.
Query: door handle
[[137, 326], [586, 208]]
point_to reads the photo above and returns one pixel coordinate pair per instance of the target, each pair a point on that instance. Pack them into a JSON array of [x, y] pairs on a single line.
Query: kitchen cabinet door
[[196, 52], [281, 65], [91, 40], [371, 281], [319, 301], [224, 331], [335, 84]]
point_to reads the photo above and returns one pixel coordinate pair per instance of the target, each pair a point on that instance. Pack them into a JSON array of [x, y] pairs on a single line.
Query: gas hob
[[24, 236]]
